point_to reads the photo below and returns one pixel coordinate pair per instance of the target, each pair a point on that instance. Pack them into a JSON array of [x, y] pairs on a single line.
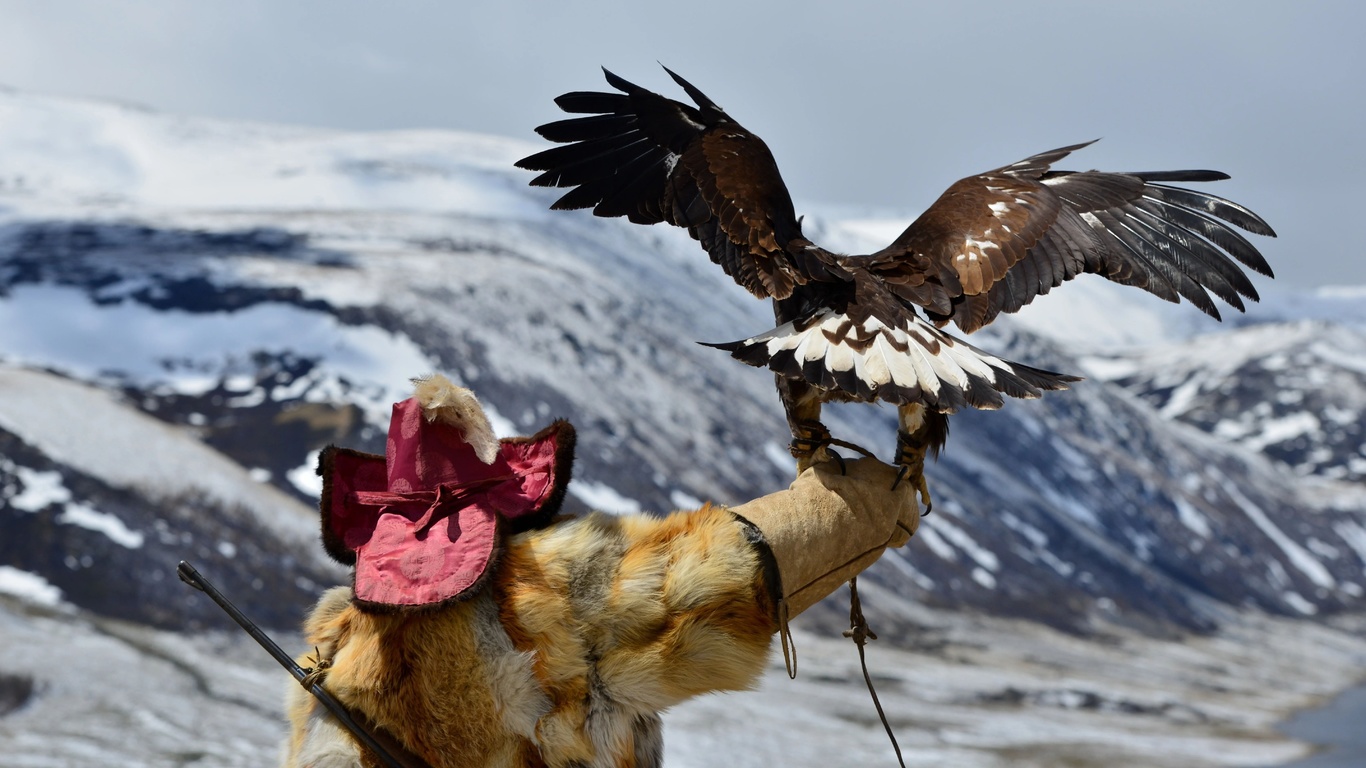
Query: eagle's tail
[[911, 362]]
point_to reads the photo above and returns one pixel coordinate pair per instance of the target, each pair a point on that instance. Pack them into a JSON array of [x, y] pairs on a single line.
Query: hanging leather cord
[[785, 640], [858, 632]]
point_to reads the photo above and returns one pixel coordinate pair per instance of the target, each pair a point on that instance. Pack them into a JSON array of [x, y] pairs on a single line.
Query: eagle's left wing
[[993, 242], [651, 159]]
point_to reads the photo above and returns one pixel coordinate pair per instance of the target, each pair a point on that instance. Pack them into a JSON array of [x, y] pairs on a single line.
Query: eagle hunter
[[867, 328]]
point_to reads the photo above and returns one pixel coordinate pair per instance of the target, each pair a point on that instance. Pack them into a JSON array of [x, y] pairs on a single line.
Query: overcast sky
[[879, 104]]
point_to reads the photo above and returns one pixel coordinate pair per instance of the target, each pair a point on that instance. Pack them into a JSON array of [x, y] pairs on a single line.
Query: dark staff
[[391, 753]]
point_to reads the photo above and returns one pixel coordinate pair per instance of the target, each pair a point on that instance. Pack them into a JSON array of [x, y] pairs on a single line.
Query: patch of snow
[[1298, 556], [899, 561], [780, 457], [251, 399], [1354, 536], [102, 522], [1109, 368], [239, 383], [1323, 549], [1296, 601], [1068, 504], [960, 539], [1276, 431], [1080, 464], [28, 586], [502, 426], [936, 544], [305, 476], [603, 498], [44, 489], [1183, 397], [1035, 536], [1347, 292], [1192, 518], [869, 233], [1064, 568], [1102, 317], [1144, 543], [682, 500], [1230, 429], [41, 490]]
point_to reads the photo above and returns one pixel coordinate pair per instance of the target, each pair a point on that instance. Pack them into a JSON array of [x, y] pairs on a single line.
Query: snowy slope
[[119, 158], [102, 501], [78, 689], [1293, 391]]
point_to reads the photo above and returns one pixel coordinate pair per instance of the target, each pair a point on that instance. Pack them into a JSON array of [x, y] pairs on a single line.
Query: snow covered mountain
[[101, 501], [262, 291], [1294, 391]]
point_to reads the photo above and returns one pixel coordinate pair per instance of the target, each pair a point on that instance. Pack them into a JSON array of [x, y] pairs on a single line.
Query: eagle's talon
[[900, 475], [810, 437], [839, 460], [910, 457], [809, 445]]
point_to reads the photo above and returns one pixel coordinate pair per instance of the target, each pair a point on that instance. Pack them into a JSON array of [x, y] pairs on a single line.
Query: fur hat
[[422, 523]]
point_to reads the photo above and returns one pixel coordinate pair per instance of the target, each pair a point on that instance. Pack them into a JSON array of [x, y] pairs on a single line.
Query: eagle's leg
[[922, 431], [802, 403]]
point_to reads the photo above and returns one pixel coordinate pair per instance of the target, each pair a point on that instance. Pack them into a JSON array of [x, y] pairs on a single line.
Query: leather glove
[[828, 527]]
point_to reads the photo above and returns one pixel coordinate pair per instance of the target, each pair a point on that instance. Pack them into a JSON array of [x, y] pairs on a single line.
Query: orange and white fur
[[589, 629]]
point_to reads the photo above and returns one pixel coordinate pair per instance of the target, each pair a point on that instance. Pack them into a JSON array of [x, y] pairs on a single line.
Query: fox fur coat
[[588, 629]]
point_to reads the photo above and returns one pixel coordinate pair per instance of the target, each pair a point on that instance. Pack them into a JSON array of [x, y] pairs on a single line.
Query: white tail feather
[[933, 363]]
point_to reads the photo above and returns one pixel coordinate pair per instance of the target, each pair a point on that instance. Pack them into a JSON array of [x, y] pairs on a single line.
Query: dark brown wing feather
[[651, 159], [993, 242]]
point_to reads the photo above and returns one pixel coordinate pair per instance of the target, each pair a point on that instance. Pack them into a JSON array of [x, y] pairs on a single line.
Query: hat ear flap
[[545, 463], [345, 524]]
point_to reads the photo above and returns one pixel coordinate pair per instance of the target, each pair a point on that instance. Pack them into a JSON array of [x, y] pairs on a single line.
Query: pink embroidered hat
[[422, 523]]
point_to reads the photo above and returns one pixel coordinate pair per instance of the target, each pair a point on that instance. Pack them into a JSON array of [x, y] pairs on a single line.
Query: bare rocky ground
[[80, 690]]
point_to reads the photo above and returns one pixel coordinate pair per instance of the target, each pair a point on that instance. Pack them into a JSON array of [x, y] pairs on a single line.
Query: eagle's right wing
[[993, 242], [651, 159]]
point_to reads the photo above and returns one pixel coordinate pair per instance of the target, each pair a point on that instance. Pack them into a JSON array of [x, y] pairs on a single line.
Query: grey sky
[[866, 103]]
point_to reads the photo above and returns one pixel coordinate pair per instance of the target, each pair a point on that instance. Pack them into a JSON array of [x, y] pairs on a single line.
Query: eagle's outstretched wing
[[651, 159], [994, 241]]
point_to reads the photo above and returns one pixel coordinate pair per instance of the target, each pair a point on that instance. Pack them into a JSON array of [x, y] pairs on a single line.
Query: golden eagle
[[868, 328]]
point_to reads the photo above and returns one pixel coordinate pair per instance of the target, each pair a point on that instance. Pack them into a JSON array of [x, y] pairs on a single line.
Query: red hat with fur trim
[[422, 523]]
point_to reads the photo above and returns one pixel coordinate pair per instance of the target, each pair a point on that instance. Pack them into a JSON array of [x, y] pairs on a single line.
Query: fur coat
[[588, 630]]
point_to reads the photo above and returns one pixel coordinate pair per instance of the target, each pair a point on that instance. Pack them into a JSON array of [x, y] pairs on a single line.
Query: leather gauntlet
[[828, 527]]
